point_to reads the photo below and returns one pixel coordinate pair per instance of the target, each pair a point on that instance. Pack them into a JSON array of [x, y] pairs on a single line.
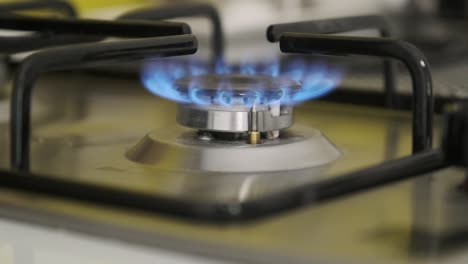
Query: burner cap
[[237, 83], [233, 120], [224, 103]]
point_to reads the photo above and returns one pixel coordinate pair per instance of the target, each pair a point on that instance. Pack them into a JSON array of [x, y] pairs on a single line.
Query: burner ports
[[238, 84], [235, 119], [234, 103]]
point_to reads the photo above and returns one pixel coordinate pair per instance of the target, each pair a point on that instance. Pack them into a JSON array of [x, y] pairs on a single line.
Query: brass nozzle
[[254, 137]]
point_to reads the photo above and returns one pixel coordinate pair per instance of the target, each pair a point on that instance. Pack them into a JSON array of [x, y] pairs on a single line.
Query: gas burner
[[248, 103], [236, 122], [236, 119], [239, 123], [264, 83], [174, 148]]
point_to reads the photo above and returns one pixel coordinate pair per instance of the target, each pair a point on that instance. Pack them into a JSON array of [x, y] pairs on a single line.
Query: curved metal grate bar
[[54, 31], [343, 25], [187, 10], [78, 56], [414, 60]]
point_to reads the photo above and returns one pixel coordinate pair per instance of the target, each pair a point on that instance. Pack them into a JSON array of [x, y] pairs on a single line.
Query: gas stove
[[237, 115], [231, 161]]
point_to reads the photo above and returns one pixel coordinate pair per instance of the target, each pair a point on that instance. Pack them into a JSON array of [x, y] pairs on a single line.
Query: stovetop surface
[[84, 122], [84, 128]]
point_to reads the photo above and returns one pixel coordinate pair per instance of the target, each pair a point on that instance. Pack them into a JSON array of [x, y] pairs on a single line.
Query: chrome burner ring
[[242, 114], [227, 119]]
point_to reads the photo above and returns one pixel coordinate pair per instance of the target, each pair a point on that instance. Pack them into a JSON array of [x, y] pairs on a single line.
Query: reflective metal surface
[[84, 125], [175, 149], [234, 118]]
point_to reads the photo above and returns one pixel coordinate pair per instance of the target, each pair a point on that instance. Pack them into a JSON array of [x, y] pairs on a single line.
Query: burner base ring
[[181, 149], [234, 120]]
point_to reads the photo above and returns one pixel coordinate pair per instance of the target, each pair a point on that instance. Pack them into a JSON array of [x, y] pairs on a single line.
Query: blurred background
[[437, 27], [245, 21]]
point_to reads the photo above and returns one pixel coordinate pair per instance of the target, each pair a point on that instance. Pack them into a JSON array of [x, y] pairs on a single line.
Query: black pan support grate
[[171, 39]]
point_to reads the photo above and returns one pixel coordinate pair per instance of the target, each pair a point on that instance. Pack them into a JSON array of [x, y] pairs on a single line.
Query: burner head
[[235, 119], [191, 82], [236, 89], [239, 83], [236, 103]]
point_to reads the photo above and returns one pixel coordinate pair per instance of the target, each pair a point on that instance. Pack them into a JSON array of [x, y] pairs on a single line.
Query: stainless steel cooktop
[[84, 126], [229, 139]]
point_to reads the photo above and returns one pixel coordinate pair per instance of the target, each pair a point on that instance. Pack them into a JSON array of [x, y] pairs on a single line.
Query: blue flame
[[248, 68], [316, 80], [272, 69], [225, 97], [197, 95], [222, 67], [295, 70], [157, 81], [254, 97]]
